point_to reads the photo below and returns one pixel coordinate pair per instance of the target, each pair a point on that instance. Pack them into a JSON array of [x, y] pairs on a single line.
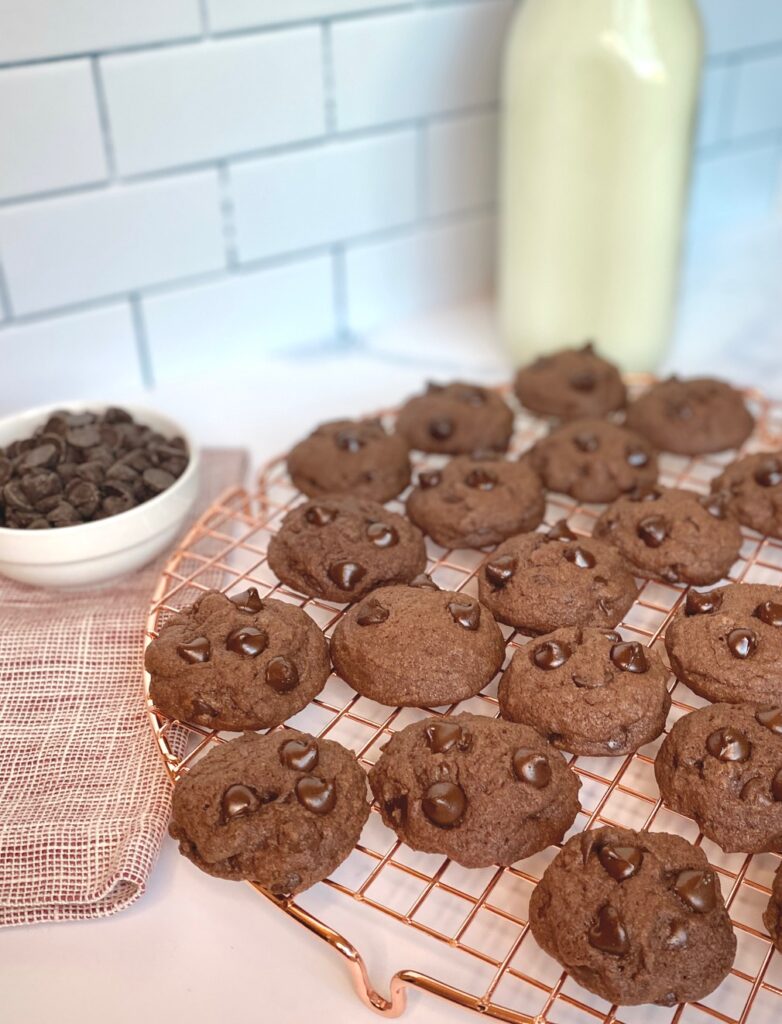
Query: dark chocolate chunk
[[742, 643], [769, 612], [196, 652], [299, 755], [444, 804], [445, 736], [702, 604], [621, 862], [281, 674], [697, 889], [247, 641], [652, 531], [466, 613], [551, 655], [248, 601], [239, 800], [317, 795], [318, 515], [500, 570], [580, 557], [729, 744], [346, 575], [532, 768], [630, 657], [382, 536], [608, 933]]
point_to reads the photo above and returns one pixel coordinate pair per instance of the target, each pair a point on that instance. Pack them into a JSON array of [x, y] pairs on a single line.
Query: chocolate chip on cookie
[[474, 501], [673, 535], [635, 917], [476, 789], [570, 384], [455, 419], [237, 663], [753, 491], [283, 810], [339, 548], [588, 691]]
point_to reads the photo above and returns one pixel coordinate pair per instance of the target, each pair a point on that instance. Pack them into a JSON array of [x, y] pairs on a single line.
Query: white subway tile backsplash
[[733, 25], [392, 280], [49, 128], [62, 251], [32, 29], [416, 63], [733, 188], [461, 163], [199, 102], [324, 194], [82, 355], [226, 15], [716, 89], [243, 318], [758, 102]]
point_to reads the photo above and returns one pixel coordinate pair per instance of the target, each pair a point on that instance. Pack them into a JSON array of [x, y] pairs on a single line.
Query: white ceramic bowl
[[92, 553]]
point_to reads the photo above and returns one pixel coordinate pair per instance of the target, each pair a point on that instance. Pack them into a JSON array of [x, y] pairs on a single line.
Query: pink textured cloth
[[84, 795]]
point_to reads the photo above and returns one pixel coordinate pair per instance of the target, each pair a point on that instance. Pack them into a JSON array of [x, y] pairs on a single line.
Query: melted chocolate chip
[[500, 570], [248, 601], [561, 531], [550, 655], [317, 795], [481, 479], [196, 652], [239, 800], [580, 557], [729, 744], [444, 804], [424, 581], [652, 531], [697, 890], [608, 933], [465, 613], [630, 657], [348, 441], [396, 809], [776, 786], [756, 792], [318, 515], [441, 429], [531, 767], [771, 718], [702, 604], [769, 474], [742, 643], [282, 675], [429, 479], [372, 613], [584, 382], [445, 736], [382, 535], [200, 707], [637, 458], [769, 612], [346, 575], [299, 755], [716, 505], [612, 635], [677, 937], [472, 396], [621, 862], [586, 442], [247, 641]]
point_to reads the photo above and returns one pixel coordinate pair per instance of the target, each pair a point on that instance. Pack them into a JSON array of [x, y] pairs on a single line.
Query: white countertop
[[199, 950]]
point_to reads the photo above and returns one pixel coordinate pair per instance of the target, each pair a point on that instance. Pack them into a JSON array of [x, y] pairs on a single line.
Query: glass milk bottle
[[599, 98]]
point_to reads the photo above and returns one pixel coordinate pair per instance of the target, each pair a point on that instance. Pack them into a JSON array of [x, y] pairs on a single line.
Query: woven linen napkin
[[84, 795]]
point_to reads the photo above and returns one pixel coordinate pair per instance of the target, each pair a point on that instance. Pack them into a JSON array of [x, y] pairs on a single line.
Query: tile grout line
[[5, 299], [329, 80], [203, 9], [103, 117], [227, 215], [143, 349]]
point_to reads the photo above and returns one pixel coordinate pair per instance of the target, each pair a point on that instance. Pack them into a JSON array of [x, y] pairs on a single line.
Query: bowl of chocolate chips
[[88, 493]]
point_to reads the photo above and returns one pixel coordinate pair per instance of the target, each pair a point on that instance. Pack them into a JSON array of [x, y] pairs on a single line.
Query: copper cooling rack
[[476, 921]]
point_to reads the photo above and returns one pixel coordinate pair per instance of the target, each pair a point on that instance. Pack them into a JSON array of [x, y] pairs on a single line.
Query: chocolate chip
[[652, 531], [742, 643], [481, 479], [84, 496], [586, 442], [472, 396], [6, 469], [551, 654], [319, 515], [702, 604], [248, 601], [300, 755], [429, 479], [771, 718], [584, 382], [281, 674], [612, 635], [776, 786], [465, 613], [580, 557], [40, 485], [531, 767], [697, 890], [644, 494], [424, 581], [43, 456], [769, 473], [202, 709], [83, 436], [716, 505], [346, 575], [677, 936], [382, 535], [64, 514], [317, 795], [441, 429], [769, 612], [158, 480], [630, 657], [15, 497], [247, 641], [608, 933], [372, 613], [500, 570], [561, 531], [238, 801], [757, 793], [445, 736], [396, 809], [195, 652], [729, 744], [444, 804], [637, 458], [116, 415], [348, 441], [621, 862]]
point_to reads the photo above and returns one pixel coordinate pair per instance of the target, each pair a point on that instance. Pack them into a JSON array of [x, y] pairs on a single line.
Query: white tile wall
[[226, 15], [324, 194], [735, 25], [733, 188], [716, 94], [461, 163], [758, 103], [46, 110]]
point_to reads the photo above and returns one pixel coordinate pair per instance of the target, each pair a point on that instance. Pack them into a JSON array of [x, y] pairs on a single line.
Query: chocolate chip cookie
[[588, 691], [753, 489], [594, 460], [538, 582], [474, 501], [455, 419], [417, 646], [238, 663], [353, 457], [722, 766], [635, 917], [772, 918], [570, 384], [476, 789], [726, 644], [673, 535], [339, 548], [691, 417], [283, 810]]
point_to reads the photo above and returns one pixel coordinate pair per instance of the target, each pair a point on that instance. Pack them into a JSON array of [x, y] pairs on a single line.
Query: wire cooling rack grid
[[479, 917]]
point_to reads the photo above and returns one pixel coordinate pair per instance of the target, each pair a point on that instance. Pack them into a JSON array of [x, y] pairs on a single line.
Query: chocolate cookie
[[456, 418], [772, 918], [635, 917], [340, 548], [594, 460], [238, 663], [691, 417], [283, 810], [474, 501], [353, 457], [672, 535], [722, 766], [417, 646], [476, 789], [570, 384], [588, 691], [726, 644], [538, 582], [753, 489]]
